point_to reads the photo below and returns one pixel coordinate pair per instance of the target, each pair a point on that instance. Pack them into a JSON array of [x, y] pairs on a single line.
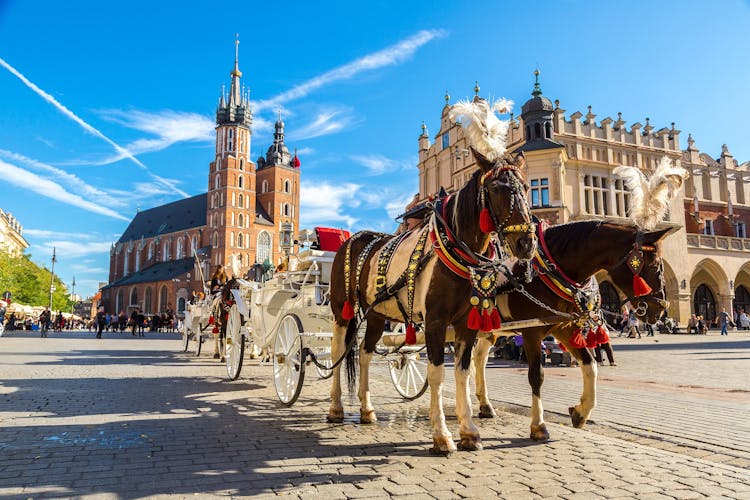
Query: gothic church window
[[287, 186], [194, 245], [215, 239], [548, 130], [180, 249], [165, 253], [242, 164], [217, 182], [138, 260], [446, 140], [125, 259], [240, 201], [240, 240], [537, 131], [264, 187], [134, 297], [151, 250], [264, 247], [240, 181], [240, 221]]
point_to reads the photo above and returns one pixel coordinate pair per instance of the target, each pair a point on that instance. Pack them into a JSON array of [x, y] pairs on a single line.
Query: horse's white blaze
[[440, 432], [481, 352], [588, 397], [364, 382], [466, 426]]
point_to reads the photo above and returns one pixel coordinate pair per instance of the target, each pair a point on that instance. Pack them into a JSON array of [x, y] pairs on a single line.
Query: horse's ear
[[655, 236], [482, 162]]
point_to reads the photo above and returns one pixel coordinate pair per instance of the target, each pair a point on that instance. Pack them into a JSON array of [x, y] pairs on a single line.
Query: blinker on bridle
[[488, 221]]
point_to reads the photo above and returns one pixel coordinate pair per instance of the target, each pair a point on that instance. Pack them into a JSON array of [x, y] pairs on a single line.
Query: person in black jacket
[[101, 320]]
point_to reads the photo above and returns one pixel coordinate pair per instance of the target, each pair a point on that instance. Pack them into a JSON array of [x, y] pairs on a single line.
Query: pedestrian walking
[[633, 325], [744, 320], [624, 322], [723, 320], [141, 324], [44, 320], [134, 320], [101, 321]]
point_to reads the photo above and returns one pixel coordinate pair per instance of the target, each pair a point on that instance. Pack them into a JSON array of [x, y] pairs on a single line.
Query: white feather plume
[[235, 266], [486, 132], [650, 196]]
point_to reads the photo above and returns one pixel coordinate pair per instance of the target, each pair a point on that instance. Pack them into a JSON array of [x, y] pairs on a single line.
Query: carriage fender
[[240, 301]]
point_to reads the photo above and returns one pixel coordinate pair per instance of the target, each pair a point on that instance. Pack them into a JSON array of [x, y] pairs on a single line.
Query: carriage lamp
[[285, 238]]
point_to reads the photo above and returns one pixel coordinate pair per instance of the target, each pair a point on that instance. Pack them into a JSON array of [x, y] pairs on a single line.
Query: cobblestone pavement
[[131, 418]]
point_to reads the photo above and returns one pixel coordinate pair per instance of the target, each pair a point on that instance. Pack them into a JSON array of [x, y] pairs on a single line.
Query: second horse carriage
[[286, 321]]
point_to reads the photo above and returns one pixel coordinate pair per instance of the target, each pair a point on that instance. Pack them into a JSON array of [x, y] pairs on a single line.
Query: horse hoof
[[470, 443], [335, 416], [216, 355], [576, 418], [487, 411], [443, 447], [539, 433], [367, 417], [223, 359]]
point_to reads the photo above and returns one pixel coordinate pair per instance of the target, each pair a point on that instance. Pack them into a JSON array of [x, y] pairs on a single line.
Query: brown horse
[[414, 277], [574, 253]]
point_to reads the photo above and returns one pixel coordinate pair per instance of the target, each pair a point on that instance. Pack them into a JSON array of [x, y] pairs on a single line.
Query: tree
[[29, 283]]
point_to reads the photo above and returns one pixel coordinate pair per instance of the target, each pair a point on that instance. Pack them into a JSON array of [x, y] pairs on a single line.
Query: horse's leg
[[467, 431], [532, 346], [336, 411], [481, 352], [375, 328], [442, 440], [581, 412]]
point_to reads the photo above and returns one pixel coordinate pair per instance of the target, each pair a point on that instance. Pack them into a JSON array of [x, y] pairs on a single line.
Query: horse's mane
[[465, 207], [564, 236]]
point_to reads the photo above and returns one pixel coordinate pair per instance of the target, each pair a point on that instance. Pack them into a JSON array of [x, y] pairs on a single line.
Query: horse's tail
[[350, 341]]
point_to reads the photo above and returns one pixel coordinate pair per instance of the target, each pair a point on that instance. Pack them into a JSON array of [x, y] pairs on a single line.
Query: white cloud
[[67, 250], [44, 233], [73, 182], [386, 57], [397, 205], [47, 188], [378, 164], [88, 128], [328, 121], [83, 269], [307, 151], [322, 203]]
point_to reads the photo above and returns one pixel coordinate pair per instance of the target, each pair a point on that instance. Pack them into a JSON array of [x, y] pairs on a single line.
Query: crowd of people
[[137, 322]]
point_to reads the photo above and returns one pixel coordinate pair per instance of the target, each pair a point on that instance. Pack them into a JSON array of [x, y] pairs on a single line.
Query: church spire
[[236, 109], [235, 91]]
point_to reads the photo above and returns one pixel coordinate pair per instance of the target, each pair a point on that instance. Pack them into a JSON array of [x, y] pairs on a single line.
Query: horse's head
[[643, 260], [502, 191]]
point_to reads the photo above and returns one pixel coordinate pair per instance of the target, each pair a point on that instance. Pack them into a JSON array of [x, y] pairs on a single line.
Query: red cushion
[[331, 239]]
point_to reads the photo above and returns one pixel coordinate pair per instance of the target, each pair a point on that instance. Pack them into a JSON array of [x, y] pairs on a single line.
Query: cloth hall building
[[570, 160], [153, 266]]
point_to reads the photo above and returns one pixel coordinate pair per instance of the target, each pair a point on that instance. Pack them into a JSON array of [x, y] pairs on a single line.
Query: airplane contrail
[[88, 128]]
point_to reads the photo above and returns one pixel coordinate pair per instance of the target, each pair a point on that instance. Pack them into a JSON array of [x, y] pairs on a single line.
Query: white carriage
[[288, 319]]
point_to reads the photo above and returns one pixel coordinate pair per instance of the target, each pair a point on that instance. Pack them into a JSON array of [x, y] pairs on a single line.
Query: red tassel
[[602, 337], [562, 347], [473, 322], [577, 340], [347, 312], [211, 320], [486, 224], [495, 318], [215, 330], [640, 287], [485, 323], [591, 339], [411, 334]]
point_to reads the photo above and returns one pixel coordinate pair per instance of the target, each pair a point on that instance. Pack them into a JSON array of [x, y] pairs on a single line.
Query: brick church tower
[[240, 223]]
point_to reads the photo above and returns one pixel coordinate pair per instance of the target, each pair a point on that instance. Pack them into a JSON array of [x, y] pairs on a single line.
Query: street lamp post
[[73, 296], [52, 278]]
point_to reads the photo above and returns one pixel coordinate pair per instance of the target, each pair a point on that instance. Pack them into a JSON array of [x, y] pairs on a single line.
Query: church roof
[[179, 215], [160, 271], [261, 216]]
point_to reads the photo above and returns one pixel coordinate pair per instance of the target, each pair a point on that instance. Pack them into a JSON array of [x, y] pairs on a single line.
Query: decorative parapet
[[726, 243]]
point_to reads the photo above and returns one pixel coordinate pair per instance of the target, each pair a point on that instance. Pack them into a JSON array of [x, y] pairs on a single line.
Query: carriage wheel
[[198, 340], [235, 343], [323, 372], [288, 362], [409, 374], [186, 343]]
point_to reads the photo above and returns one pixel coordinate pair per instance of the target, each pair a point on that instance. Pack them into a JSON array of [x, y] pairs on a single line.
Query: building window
[[740, 230], [708, 227], [240, 220], [151, 250], [540, 192], [264, 187], [119, 301], [596, 194], [230, 142], [264, 247], [165, 252], [242, 164], [548, 130], [528, 132], [287, 186], [217, 182], [193, 246], [240, 240], [147, 301], [287, 212], [138, 260], [215, 240], [163, 299], [240, 181], [537, 131], [181, 304], [218, 164], [125, 259], [446, 140], [134, 297], [622, 198], [180, 249]]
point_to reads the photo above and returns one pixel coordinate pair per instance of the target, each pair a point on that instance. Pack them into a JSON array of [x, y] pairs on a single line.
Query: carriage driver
[[218, 279]]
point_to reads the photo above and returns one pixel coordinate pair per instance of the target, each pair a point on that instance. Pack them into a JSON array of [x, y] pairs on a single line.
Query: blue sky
[[108, 106]]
